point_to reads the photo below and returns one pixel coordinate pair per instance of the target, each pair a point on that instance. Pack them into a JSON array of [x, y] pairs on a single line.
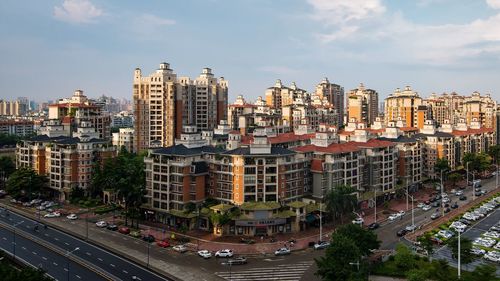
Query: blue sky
[[51, 47]]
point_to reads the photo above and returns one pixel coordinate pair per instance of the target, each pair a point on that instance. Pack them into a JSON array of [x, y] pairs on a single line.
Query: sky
[[50, 48]]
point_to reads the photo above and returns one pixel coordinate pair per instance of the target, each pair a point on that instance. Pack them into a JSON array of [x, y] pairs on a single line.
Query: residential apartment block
[[403, 104], [18, 127], [362, 105]]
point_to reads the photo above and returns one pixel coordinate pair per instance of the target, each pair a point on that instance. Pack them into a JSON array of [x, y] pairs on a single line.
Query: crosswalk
[[288, 272]]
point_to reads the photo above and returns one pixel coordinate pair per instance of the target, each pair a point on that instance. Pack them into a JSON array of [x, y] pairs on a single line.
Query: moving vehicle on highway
[[204, 254], [282, 252], [72, 217], [101, 224], [180, 248], [321, 245], [237, 260], [225, 253]]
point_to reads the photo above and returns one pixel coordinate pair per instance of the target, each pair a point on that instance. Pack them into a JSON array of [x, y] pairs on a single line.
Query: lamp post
[[407, 191], [412, 210], [320, 223], [375, 199], [14, 242], [442, 201], [459, 273], [87, 224], [67, 259]]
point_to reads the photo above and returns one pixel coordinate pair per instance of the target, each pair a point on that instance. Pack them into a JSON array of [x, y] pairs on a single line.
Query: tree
[[335, 264], [7, 166], [494, 152], [404, 258], [483, 272], [465, 249], [454, 178], [25, 181], [479, 162], [441, 165], [341, 200], [365, 239], [417, 275], [426, 243], [439, 270]]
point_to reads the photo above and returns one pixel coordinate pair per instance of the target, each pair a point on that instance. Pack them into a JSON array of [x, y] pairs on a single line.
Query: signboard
[[261, 222]]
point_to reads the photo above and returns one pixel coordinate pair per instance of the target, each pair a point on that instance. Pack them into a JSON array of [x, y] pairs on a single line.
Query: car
[[358, 221], [401, 213], [393, 217], [163, 243], [478, 193], [401, 232], [420, 205], [446, 205], [282, 251], [436, 204], [149, 238], [410, 228], [492, 256], [101, 224], [72, 217], [321, 245], [446, 234], [497, 246], [435, 216], [124, 230], [136, 234], [463, 198], [454, 205], [426, 208], [459, 193], [436, 240], [495, 228], [39, 208], [112, 227], [180, 248], [52, 215], [225, 253], [432, 200], [446, 199], [204, 254], [492, 234], [237, 260], [447, 210], [427, 202], [477, 251], [373, 226]]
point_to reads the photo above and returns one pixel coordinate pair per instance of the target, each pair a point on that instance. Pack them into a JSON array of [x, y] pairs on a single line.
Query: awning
[[311, 218]]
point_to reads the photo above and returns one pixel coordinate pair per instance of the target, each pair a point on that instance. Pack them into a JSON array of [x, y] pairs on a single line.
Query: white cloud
[[148, 19], [495, 4], [77, 11]]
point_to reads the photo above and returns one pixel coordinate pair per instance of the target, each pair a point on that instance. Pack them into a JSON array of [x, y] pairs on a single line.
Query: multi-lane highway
[[100, 260]]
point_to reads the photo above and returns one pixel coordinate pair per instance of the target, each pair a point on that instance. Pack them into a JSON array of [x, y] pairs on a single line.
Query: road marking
[[78, 276], [55, 238], [46, 234], [65, 269], [4, 238], [54, 263], [66, 243], [124, 271], [112, 265], [34, 253], [44, 258], [88, 254], [24, 248], [136, 242], [99, 259], [124, 238]]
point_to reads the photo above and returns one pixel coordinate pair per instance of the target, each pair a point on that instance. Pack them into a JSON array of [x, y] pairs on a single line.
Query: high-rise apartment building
[[164, 103], [334, 94], [402, 104], [280, 95], [362, 104]]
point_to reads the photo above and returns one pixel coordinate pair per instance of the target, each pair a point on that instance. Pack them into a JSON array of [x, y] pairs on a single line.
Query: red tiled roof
[[376, 143], [472, 131], [408, 129], [344, 147]]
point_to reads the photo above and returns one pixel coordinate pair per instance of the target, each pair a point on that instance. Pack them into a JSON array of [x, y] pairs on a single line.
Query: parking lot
[[472, 233]]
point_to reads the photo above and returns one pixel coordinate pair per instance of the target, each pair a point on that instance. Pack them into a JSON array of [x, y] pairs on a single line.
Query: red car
[[163, 243], [124, 230]]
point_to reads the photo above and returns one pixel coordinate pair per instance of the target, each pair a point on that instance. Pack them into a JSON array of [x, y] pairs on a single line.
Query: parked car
[[463, 198], [321, 245], [436, 204], [163, 243], [426, 208], [401, 232], [72, 217], [124, 230], [237, 260], [52, 215], [459, 193], [112, 227], [401, 213], [454, 205], [373, 226], [204, 254], [282, 251], [492, 256], [435, 216], [101, 224], [180, 248], [225, 253], [447, 210], [136, 234], [148, 238], [420, 205], [410, 228], [358, 221], [477, 251]]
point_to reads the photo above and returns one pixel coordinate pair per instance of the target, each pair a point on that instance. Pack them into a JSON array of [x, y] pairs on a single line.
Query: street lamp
[[459, 273], [67, 259], [442, 201], [14, 242], [375, 199], [412, 210], [355, 263], [320, 223]]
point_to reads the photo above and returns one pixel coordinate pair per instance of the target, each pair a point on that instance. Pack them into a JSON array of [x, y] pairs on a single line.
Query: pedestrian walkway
[[287, 272]]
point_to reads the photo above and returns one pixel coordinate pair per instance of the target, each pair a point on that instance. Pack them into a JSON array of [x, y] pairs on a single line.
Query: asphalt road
[[103, 260], [53, 263], [387, 232]]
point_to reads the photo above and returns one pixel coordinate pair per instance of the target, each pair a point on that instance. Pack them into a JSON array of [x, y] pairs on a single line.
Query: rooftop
[[260, 206]]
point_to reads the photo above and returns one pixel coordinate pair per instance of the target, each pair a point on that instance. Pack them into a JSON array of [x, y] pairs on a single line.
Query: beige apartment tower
[[362, 104]]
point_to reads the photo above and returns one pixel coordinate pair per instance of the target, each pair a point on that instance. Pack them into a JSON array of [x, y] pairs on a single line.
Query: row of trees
[[349, 248]]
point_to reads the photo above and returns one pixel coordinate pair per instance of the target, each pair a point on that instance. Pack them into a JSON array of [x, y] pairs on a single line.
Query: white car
[[52, 215], [401, 213], [446, 200], [493, 256], [426, 208], [321, 245], [358, 221], [497, 246], [226, 253], [101, 224], [492, 234], [477, 251], [72, 217], [180, 248], [204, 254], [446, 234], [411, 228], [282, 251], [394, 216], [459, 193], [421, 205]]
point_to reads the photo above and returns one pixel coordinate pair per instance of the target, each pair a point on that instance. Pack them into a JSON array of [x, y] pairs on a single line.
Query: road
[[56, 265], [387, 231], [104, 261]]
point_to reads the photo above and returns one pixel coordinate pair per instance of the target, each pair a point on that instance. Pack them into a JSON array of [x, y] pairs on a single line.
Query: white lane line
[[65, 269], [44, 258], [99, 259], [54, 263], [124, 271], [55, 238], [78, 276], [88, 254], [46, 234], [24, 248], [112, 265], [4, 238], [34, 253], [66, 243]]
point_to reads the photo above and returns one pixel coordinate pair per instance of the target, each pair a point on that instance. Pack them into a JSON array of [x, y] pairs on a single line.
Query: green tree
[[25, 181], [494, 152], [454, 178], [479, 162], [441, 165], [426, 243], [335, 265], [365, 240], [417, 275], [440, 270], [404, 258], [341, 200], [465, 249], [7, 166], [483, 272]]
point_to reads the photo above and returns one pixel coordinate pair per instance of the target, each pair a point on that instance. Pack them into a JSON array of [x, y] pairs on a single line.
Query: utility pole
[[320, 223], [442, 191], [14, 242], [406, 180], [459, 255], [67, 259], [375, 196]]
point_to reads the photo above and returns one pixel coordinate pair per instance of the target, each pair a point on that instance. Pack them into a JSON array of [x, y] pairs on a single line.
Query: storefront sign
[[261, 222]]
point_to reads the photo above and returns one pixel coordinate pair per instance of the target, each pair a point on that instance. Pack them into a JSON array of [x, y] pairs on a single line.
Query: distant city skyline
[[52, 48]]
